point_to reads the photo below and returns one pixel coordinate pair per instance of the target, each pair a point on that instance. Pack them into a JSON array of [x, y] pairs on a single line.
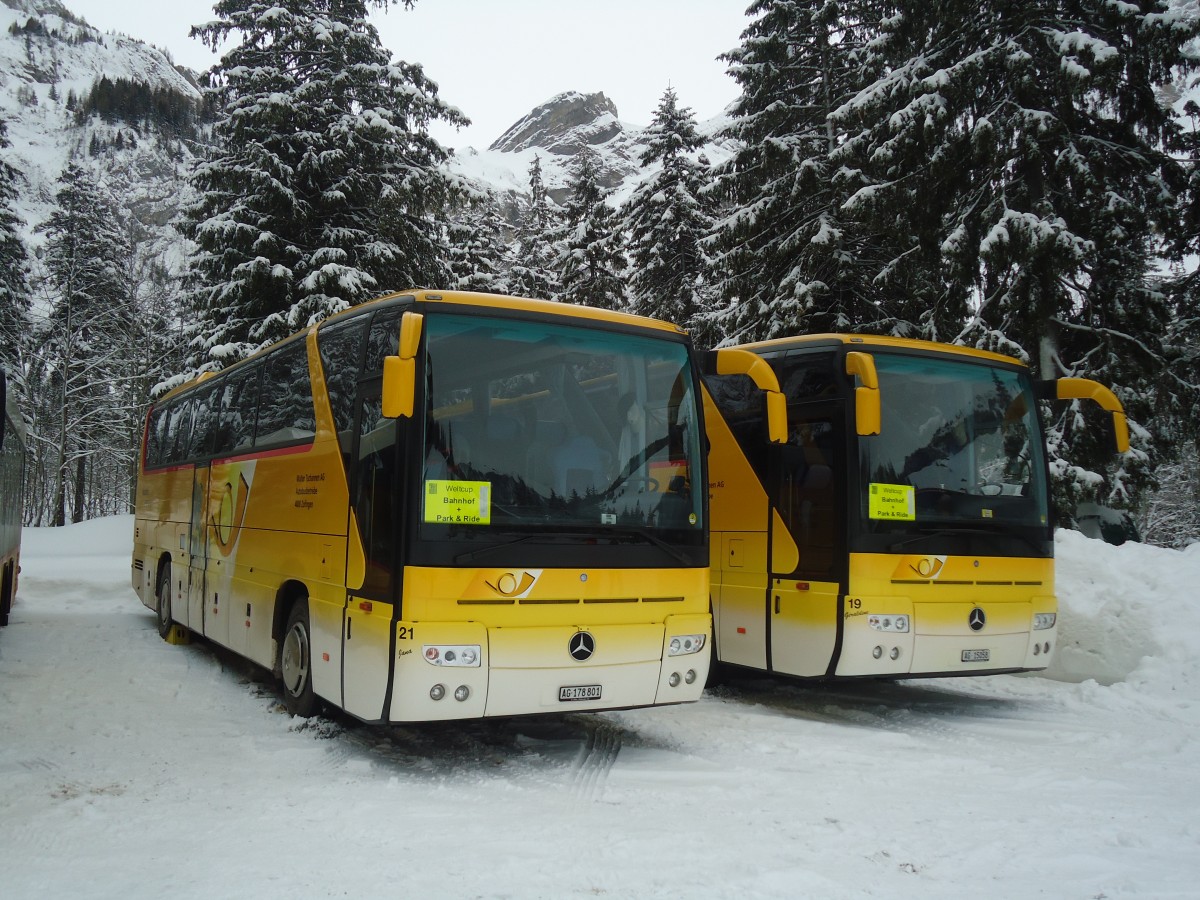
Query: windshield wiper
[[469, 555], [651, 538], [1000, 528]]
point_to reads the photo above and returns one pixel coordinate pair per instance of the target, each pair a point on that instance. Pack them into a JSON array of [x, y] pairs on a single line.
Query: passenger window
[[203, 423], [341, 355], [179, 430], [384, 340], [286, 405], [239, 407]]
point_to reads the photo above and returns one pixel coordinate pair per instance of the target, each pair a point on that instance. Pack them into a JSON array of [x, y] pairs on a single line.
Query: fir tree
[[320, 189], [80, 372], [1015, 156], [789, 261], [590, 255], [14, 269], [477, 257], [667, 219], [532, 270]]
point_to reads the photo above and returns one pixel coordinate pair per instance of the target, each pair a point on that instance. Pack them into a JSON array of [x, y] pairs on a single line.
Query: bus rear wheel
[[162, 593], [6, 592], [295, 664]]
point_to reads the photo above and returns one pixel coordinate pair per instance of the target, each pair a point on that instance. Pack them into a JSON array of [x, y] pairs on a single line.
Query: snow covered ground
[[133, 769]]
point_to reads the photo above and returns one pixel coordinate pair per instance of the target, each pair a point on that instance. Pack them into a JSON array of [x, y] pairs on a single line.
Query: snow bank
[[1125, 613]]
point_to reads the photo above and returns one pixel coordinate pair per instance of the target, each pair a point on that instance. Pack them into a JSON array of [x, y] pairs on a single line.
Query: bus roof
[[877, 340], [465, 298]]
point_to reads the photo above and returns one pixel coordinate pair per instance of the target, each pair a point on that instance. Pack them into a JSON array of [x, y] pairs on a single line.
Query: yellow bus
[[897, 524], [12, 495], [440, 506]]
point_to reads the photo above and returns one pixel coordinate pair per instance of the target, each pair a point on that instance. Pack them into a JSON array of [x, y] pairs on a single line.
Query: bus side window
[[238, 407], [286, 406], [383, 340], [203, 423], [341, 357], [179, 432], [156, 430]]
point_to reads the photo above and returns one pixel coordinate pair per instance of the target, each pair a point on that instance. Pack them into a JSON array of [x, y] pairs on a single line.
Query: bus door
[[808, 475], [195, 616], [375, 468]]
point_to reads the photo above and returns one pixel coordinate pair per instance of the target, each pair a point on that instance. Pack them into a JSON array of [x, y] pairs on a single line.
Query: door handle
[[776, 604]]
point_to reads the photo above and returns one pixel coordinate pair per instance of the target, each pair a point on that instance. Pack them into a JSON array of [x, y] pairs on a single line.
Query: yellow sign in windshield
[[893, 501], [458, 502]]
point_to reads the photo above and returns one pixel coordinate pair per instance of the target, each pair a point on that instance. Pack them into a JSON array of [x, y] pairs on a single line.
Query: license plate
[[580, 692], [976, 655]]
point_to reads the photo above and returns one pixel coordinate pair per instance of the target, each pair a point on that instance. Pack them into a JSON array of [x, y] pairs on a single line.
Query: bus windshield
[[959, 446], [531, 426]]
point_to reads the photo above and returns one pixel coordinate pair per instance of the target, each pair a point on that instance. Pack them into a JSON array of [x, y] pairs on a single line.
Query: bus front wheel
[[162, 593], [295, 664]]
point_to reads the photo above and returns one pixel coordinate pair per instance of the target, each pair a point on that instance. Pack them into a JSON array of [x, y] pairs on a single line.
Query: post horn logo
[[514, 584], [928, 567]]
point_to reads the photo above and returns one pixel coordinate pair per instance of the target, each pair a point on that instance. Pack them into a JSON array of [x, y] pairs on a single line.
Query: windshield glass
[[959, 445], [536, 426]]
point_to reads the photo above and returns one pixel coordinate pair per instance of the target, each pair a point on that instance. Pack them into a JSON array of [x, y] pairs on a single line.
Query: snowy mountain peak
[[563, 125]]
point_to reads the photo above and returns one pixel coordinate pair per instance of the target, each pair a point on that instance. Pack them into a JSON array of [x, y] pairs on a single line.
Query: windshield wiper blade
[[651, 538], [999, 528], [469, 555]]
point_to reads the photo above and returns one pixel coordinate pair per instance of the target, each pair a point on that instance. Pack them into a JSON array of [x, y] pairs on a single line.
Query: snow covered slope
[[134, 769], [47, 56]]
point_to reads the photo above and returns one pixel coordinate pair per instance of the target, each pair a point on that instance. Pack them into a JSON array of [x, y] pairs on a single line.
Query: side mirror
[[400, 371], [867, 417], [1086, 389], [734, 361]]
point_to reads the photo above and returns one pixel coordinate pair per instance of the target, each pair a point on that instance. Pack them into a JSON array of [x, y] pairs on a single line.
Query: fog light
[[895, 654], [1037, 649], [690, 676], [673, 681], [1047, 647], [461, 693], [877, 652], [437, 692]]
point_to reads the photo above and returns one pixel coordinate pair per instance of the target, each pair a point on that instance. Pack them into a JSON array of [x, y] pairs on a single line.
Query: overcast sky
[[497, 59]]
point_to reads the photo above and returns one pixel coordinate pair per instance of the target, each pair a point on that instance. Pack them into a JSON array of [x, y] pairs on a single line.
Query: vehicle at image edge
[[12, 495], [440, 506], [887, 513]]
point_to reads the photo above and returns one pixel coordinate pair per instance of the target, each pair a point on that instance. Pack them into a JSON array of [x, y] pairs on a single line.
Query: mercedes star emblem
[[581, 646], [977, 619]]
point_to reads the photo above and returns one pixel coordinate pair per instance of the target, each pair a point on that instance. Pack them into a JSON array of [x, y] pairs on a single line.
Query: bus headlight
[[1042, 621], [683, 644], [897, 624], [458, 655]]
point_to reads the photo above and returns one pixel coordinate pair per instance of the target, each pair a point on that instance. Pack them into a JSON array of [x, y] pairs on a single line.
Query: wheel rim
[[294, 664], [164, 605]]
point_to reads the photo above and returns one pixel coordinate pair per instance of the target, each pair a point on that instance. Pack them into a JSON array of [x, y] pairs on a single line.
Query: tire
[[162, 593], [295, 663], [6, 593]]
